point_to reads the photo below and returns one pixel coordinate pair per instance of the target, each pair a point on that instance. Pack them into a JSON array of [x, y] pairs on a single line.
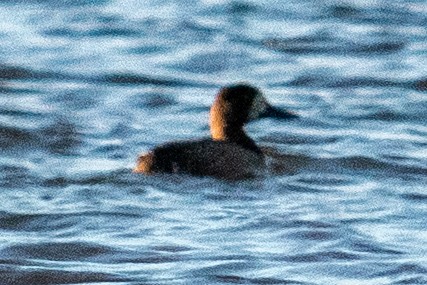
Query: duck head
[[237, 105]]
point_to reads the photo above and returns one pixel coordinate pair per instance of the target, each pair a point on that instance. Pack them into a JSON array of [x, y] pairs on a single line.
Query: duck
[[229, 154]]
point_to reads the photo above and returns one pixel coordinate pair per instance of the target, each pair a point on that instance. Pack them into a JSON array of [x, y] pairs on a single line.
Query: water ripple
[[11, 275], [321, 257], [325, 45]]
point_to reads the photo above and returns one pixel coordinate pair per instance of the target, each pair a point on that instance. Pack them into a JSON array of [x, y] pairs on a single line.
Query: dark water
[[87, 85]]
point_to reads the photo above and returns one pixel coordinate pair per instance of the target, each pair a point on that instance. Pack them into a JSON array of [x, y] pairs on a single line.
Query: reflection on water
[[87, 85]]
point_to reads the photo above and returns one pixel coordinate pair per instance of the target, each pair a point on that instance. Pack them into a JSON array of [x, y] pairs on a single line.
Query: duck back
[[221, 159]]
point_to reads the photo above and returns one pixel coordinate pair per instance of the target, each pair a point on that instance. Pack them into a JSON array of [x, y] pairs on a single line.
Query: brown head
[[235, 106]]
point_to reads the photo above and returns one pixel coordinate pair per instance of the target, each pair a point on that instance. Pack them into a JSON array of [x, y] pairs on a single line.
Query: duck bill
[[272, 112]]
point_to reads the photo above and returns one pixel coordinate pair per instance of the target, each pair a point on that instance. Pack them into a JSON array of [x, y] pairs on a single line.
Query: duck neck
[[236, 135]]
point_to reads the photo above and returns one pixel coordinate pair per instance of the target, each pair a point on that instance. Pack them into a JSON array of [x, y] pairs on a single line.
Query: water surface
[[87, 85]]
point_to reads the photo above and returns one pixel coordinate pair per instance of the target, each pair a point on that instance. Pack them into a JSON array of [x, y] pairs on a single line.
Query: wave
[[61, 137], [324, 44], [14, 276]]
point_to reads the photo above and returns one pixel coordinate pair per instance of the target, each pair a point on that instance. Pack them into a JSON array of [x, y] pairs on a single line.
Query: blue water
[[85, 86]]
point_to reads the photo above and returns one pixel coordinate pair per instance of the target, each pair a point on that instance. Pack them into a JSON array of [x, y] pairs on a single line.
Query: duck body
[[207, 157], [230, 153]]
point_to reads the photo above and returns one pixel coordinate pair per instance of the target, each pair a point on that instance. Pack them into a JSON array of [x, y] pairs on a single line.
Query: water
[[87, 85]]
